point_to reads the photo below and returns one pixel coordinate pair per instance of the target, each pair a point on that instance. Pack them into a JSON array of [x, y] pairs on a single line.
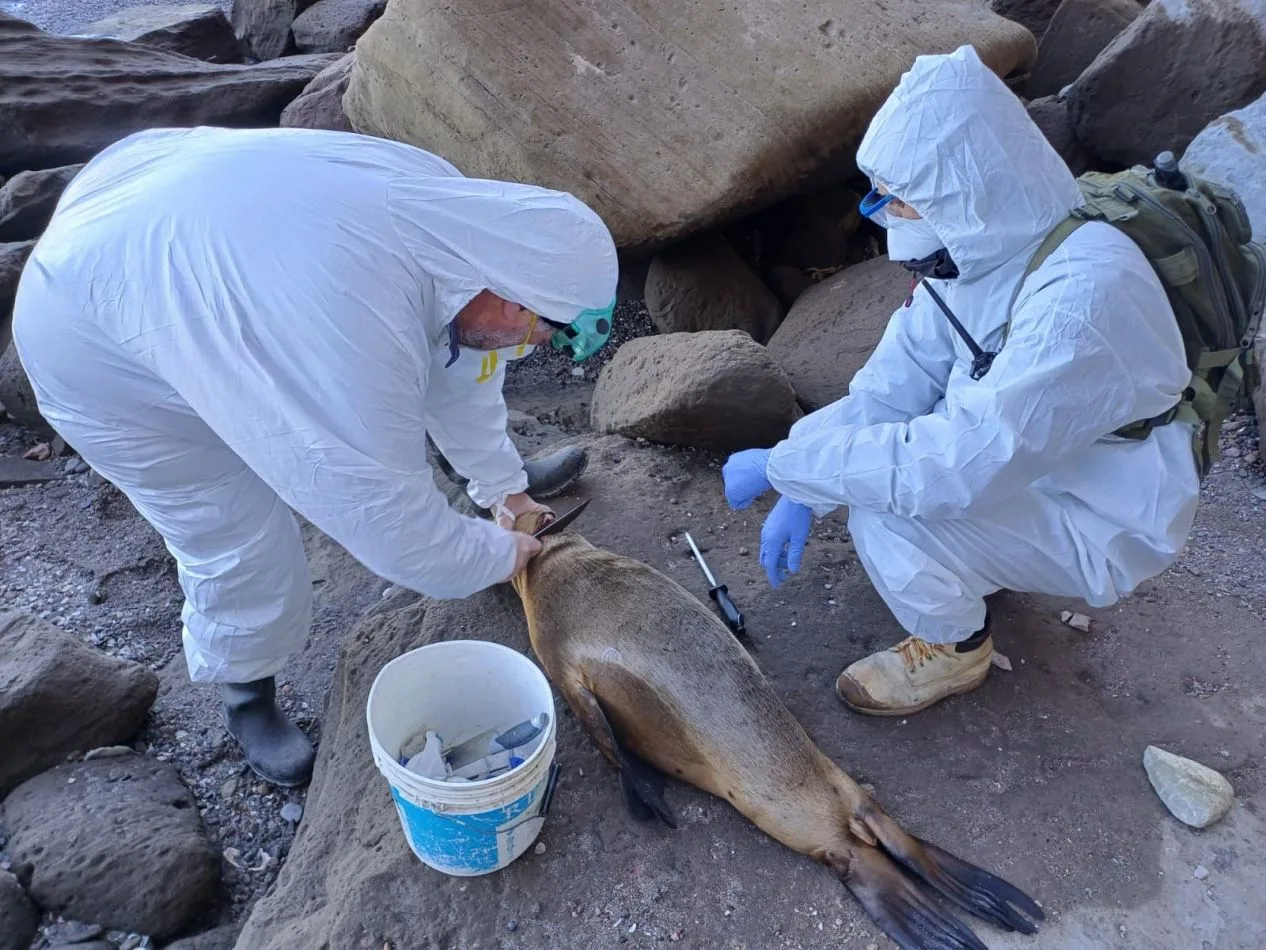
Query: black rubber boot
[[548, 475], [275, 748]]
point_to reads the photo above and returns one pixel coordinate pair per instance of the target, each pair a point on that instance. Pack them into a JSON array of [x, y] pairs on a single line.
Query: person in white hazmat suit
[[957, 487], [231, 324]]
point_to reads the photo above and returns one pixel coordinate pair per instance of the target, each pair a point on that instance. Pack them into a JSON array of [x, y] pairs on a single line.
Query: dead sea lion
[[663, 688]]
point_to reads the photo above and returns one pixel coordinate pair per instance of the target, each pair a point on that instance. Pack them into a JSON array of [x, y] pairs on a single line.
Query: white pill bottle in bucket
[[460, 688]]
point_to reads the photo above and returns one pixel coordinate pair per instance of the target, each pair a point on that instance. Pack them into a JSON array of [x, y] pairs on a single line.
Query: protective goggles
[[585, 335], [874, 202]]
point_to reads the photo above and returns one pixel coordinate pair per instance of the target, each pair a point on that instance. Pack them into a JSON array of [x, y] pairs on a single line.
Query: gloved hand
[[783, 537], [744, 476]]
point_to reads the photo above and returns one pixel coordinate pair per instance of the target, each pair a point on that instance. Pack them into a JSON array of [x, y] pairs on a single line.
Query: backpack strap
[[1044, 250]]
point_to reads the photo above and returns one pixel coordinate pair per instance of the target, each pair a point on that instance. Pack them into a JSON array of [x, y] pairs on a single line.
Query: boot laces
[[915, 652]]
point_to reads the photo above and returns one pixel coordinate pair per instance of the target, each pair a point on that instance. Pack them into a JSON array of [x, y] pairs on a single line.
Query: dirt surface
[[1037, 776]]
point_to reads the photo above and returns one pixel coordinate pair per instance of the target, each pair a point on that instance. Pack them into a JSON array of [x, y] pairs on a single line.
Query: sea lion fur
[[663, 688]]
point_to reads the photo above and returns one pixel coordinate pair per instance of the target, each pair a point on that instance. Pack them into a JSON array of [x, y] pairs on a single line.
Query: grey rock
[[58, 697], [334, 26], [28, 199], [191, 29], [121, 88], [85, 945], [1051, 116], [16, 394], [117, 842], [73, 933], [292, 812], [15, 472], [320, 105], [833, 328], [12, 259], [19, 920], [703, 284], [1194, 794], [1231, 151], [221, 938], [1077, 33], [1034, 15], [263, 26], [1176, 68], [714, 389]]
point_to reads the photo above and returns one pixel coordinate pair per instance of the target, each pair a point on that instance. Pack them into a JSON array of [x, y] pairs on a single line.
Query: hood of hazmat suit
[[282, 298], [1093, 345]]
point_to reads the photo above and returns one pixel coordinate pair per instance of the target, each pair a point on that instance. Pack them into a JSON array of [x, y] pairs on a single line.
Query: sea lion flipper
[[642, 784], [895, 903]]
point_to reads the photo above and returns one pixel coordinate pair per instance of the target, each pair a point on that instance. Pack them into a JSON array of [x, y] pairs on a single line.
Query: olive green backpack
[[1197, 237]]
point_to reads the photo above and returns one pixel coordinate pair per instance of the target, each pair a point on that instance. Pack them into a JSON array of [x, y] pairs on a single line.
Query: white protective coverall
[[958, 488], [225, 323]]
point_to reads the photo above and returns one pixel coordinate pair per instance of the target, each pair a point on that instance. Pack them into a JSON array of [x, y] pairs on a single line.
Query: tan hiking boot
[[912, 676]]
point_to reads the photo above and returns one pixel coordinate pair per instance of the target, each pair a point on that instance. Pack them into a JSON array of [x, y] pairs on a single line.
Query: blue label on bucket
[[467, 844]]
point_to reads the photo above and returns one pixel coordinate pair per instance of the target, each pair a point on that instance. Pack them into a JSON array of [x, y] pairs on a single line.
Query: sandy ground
[[1036, 776]]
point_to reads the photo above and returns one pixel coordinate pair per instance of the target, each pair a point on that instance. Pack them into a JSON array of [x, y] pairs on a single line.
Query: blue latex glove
[[783, 537], [744, 476]]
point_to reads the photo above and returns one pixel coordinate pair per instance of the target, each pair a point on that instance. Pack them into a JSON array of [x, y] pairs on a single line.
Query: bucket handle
[[541, 811]]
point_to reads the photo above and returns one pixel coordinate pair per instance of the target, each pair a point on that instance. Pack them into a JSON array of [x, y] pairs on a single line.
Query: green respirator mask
[[585, 335]]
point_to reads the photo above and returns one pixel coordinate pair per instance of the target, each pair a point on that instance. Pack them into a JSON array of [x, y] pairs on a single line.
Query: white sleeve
[[466, 416], [902, 378], [1057, 386]]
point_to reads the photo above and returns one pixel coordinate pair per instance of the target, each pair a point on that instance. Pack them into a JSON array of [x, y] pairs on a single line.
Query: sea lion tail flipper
[[643, 785], [896, 904], [972, 888]]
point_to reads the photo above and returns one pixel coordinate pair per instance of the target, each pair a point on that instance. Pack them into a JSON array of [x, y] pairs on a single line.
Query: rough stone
[[834, 326], [118, 842], [27, 202], [58, 697], [715, 389], [19, 920], [1176, 68], [191, 29], [320, 105], [12, 259], [334, 26], [1259, 397], [646, 111], [15, 472], [1194, 794], [222, 938], [16, 394], [263, 26], [703, 284], [1232, 152], [1052, 117], [120, 88], [1033, 15], [1077, 33]]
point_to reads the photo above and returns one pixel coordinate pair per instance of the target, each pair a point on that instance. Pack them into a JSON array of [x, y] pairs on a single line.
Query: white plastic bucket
[[460, 688]]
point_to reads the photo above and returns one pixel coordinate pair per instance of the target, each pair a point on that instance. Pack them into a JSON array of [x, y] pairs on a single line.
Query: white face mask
[[910, 239]]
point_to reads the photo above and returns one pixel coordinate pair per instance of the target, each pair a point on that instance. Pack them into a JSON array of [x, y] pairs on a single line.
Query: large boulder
[[191, 29], [320, 106], [114, 841], [63, 99], [1050, 113], [1078, 32], [27, 202], [1176, 68], [703, 284], [716, 389], [263, 26], [19, 920], [1232, 152], [16, 394], [334, 26], [13, 257], [58, 697], [1034, 15], [833, 328], [665, 117]]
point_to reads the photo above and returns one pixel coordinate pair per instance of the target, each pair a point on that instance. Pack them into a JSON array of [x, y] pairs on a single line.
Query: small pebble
[[540, 848], [1201, 872], [744, 552], [292, 812], [512, 926]]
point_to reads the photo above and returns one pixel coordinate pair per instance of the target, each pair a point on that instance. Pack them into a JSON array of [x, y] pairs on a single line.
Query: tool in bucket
[[719, 593], [558, 524]]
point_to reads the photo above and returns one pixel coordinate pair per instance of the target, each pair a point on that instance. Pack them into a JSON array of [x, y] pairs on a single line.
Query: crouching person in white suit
[[231, 324], [961, 483]]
